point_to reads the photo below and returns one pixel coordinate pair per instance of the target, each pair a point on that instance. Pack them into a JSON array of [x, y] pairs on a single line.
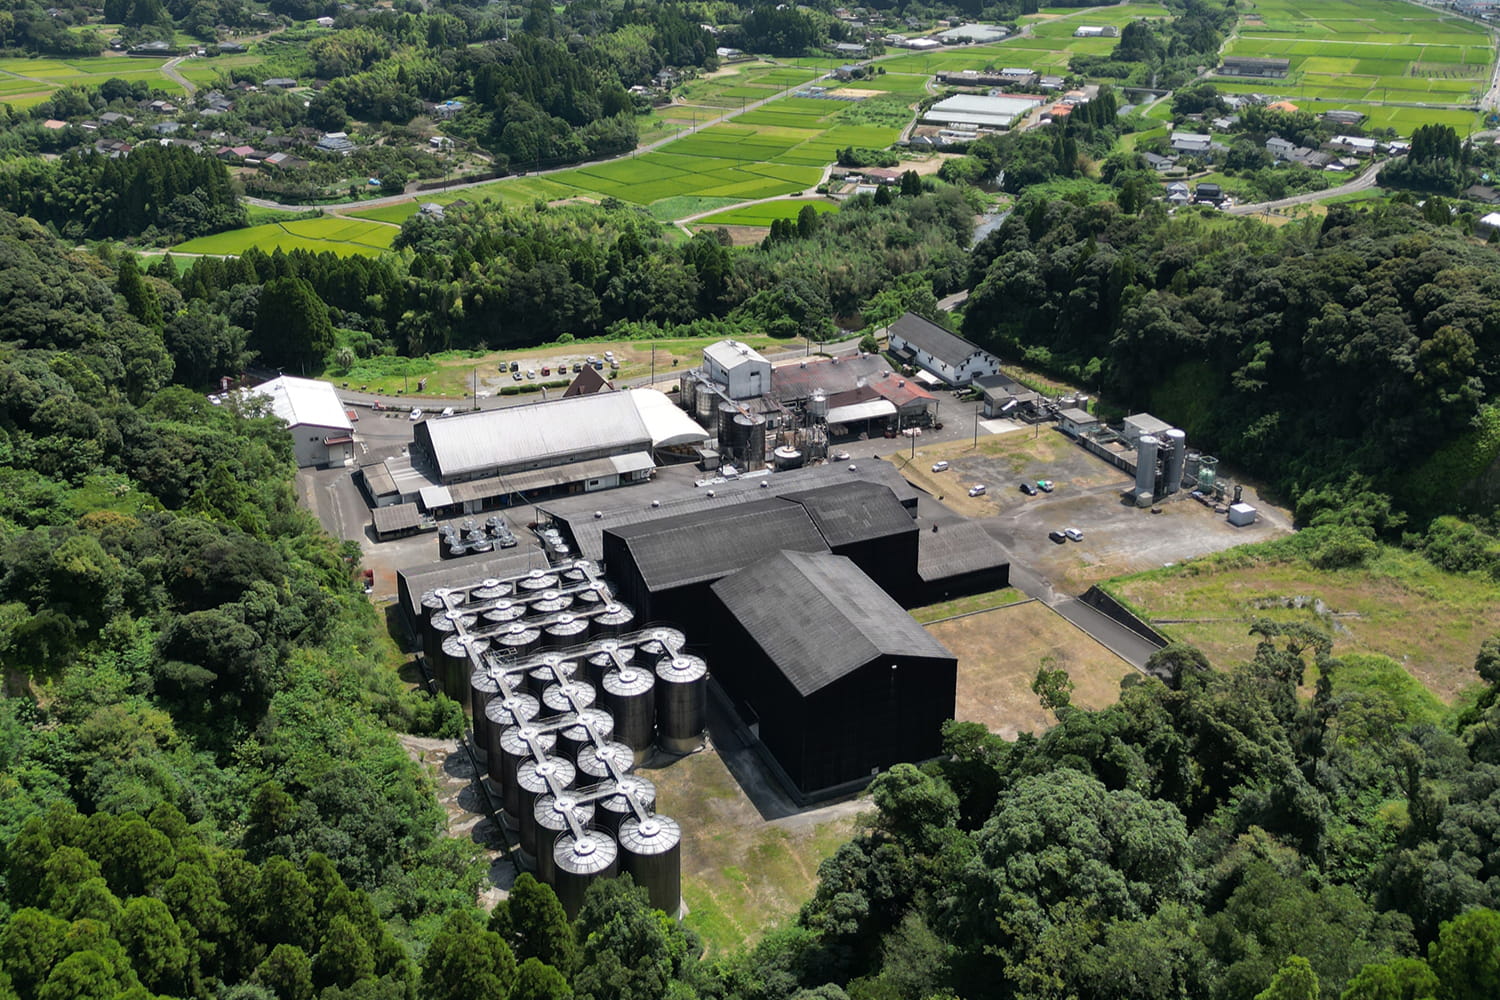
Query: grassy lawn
[[987, 601], [1398, 606], [741, 875], [998, 656]]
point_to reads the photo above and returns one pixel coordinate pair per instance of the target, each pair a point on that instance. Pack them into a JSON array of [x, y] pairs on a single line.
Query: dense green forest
[[485, 276]]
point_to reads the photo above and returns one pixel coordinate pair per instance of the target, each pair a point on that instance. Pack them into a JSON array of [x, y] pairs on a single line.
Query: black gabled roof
[[853, 512], [819, 618], [706, 545], [933, 339], [958, 550]]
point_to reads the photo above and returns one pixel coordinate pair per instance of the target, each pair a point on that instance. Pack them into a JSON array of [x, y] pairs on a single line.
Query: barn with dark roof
[[837, 679]]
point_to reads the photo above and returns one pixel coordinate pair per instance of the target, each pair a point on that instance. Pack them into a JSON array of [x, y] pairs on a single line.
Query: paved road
[[1363, 182], [169, 70]]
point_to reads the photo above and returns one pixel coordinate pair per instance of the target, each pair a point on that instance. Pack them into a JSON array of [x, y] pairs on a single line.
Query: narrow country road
[[1363, 182], [169, 70]]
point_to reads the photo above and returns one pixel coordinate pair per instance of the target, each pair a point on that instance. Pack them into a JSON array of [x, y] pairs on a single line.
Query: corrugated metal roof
[[541, 479], [832, 375], [933, 339], [849, 513], [819, 618], [957, 550], [379, 479], [305, 402], [869, 410], [729, 354], [458, 572], [397, 517], [633, 505], [538, 434], [667, 424], [708, 545]]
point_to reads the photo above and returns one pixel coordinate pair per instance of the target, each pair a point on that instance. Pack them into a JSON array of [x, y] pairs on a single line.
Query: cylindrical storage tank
[[535, 778], [453, 548], [515, 750], [588, 600], [574, 696], [592, 722], [567, 630], [484, 687], [1208, 472], [516, 641], [536, 580], [577, 862], [551, 671], [704, 410], [750, 439], [499, 715], [1190, 466], [658, 644], [489, 589], [1145, 464], [504, 611], [651, 851], [817, 405], [630, 698], [552, 822], [549, 602], [687, 393], [1176, 460], [593, 762], [788, 457], [612, 657], [455, 666], [614, 619], [614, 809], [681, 703], [724, 421]]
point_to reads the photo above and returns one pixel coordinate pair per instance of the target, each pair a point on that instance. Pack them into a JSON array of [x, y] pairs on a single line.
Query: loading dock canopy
[[872, 409]]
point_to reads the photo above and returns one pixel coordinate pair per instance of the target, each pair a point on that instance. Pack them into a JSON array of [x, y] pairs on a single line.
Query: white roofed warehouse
[[322, 436]]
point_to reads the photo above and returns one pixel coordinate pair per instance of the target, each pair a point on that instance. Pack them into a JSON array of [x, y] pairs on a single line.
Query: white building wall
[[311, 452]]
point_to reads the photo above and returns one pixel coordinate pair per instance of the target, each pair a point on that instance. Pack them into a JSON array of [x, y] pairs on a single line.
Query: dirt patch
[[740, 236], [453, 777], [855, 93], [998, 656], [742, 875]]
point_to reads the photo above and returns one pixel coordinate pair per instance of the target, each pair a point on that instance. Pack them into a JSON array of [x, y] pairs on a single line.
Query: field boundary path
[[169, 70]]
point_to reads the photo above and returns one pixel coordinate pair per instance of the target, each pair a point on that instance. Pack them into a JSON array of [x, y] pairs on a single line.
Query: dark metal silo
[[552, 822], [514, 751], [593, 762], [629, 697], [499, 715], [535, 778], [614, 619], [592, 722], [567, 630], [651, 851], [614, 808], [578, 861], [572, 696], [681, 703]]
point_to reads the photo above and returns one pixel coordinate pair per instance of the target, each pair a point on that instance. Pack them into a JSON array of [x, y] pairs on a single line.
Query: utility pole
[[976, 426]]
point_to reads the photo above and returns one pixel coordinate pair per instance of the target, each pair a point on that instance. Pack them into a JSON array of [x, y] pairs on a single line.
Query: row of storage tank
[[560, 725]]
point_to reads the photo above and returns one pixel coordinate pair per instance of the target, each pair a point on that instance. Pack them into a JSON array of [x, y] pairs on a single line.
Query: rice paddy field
[[1359, 54], [27, 81], [329, 233], [767, 212]]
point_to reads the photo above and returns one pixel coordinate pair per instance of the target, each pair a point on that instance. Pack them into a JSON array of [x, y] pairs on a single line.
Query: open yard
[[1358, 54], [742, 875], [1399, 606], [998, 656], [38, 77]]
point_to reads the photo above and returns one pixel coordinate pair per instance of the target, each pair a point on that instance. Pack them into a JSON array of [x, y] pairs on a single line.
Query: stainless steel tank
[[630, 697], [504, 611], [593, 725], [651, 851], [551, 821], [1176, 460], [1145, 464], [594, 762], [552, 669], [549, 602], [515, 749], [453, 667], [567, 630], [499, 715], [657, 644], [535, 778], [613, 656], [484, 685], [577, 862], [614, 619], [516, 640], [534, 581], [681, 703], [613, 808], [489, 589], [570, 696]]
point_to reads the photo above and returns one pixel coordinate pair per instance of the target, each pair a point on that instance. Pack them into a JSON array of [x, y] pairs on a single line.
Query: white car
[[447, 411], [416, 414], [1074, 534], [977, 490], [939, 466]]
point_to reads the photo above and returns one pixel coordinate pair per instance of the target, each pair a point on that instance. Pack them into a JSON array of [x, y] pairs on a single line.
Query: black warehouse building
[[839, 680]]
